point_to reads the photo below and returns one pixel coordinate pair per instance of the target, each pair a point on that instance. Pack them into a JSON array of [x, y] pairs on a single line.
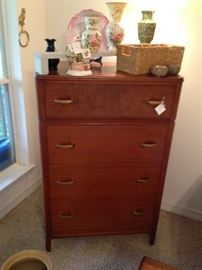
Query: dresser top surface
[[106, 72]]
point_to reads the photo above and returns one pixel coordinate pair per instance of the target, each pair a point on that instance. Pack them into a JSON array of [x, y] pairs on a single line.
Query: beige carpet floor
[[178, 242]]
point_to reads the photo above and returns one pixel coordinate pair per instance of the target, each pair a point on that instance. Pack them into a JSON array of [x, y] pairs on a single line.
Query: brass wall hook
[[23, 34]]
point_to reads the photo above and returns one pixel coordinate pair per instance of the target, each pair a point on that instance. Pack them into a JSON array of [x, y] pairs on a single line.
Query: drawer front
[[66, 100], [92, 217], [109, 181], [106, 143]]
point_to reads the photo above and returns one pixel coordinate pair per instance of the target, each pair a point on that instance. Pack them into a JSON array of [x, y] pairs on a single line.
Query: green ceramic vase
[[146, 27]]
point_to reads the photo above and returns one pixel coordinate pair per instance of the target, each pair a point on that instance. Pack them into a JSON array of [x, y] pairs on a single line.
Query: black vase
[[52, 63]]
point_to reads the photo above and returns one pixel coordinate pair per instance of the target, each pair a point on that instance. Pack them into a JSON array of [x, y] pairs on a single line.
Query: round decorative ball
[[159, 70], [173, 69]]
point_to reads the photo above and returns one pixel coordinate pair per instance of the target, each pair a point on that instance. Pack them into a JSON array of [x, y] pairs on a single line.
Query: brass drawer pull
[[65, 146], [143, 179], [64, 101], [66, 182], [156, 102], [139, 212], [149, 144], [66, 215]]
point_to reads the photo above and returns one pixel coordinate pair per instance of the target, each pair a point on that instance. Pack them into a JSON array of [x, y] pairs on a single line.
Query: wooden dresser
[[104, 151]]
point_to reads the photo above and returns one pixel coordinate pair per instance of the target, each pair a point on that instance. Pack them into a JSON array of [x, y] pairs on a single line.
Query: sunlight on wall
[[158, 4], [170, 18]]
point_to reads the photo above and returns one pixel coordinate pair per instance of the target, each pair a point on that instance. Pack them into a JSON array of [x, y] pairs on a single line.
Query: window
[[7, 152], [17, 157], [7, 149]]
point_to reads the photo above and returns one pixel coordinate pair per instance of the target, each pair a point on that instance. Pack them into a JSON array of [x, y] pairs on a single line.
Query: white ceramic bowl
[[28, 259]]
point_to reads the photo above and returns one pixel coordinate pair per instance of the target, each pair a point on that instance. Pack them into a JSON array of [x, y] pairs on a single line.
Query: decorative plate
[[76, 26]]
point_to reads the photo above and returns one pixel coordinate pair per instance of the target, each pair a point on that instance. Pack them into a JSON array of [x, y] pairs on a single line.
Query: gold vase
[[114, 31]]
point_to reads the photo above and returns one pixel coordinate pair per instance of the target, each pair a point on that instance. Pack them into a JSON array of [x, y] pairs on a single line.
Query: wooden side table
[[151, 264]]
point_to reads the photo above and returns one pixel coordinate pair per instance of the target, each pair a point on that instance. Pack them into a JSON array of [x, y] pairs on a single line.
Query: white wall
[[36, 27], [183, 190], [178, 22]]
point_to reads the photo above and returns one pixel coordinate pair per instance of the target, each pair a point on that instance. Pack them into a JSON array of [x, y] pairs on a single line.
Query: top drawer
[[107, 100]]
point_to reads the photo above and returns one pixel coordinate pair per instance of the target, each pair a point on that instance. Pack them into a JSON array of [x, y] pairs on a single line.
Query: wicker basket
[[138, 59]]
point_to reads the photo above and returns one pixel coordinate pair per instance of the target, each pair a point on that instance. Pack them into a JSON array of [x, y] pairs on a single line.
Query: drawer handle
[[143, 179], [139, 212], [156, 102], [66, 215], [66, 182], [65, 146], [149, 144], [64, 101]]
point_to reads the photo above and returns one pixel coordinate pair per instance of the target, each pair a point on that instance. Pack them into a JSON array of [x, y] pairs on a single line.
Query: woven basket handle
[[125, 50]]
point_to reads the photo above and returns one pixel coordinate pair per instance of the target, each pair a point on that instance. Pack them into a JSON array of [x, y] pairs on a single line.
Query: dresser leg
[[48, 243], [152, 238]]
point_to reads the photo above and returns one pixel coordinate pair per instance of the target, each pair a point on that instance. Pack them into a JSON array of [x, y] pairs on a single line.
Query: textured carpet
[[178, 242]]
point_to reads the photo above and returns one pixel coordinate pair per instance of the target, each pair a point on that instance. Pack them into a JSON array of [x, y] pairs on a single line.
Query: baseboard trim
[[181, 210], [15, 200]]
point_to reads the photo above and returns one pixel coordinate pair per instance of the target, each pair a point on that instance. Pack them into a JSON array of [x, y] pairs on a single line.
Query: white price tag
[[76, 46], [160, 108], [69, 46]]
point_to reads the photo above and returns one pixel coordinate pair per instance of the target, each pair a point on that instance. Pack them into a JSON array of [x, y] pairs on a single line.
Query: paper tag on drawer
[[160, 108]]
